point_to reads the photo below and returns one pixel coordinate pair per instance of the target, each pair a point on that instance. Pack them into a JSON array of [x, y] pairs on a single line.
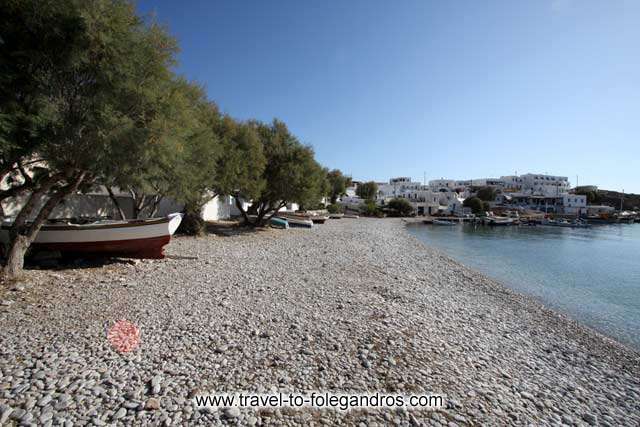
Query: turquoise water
[[593, 274]]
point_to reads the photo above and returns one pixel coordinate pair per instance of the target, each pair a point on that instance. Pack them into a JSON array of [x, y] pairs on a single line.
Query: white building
[[574, 204], [544, 185]]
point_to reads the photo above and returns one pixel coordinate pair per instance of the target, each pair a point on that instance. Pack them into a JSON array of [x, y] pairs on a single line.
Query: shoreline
[[589, 331], [349, 306], [553, 313]]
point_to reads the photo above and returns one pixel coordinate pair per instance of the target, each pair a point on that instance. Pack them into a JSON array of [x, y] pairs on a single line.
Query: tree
[[182, 155], [291, 174], [487, 194], [338, 184], [367, 190], [400, 207], [79, 89], [370, 208], [477, 206]]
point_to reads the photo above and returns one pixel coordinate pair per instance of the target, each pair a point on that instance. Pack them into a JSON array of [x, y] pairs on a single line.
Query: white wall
[[75, 206]]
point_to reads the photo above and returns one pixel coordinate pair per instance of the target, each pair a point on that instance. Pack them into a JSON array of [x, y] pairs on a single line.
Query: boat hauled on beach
[[144, 238]]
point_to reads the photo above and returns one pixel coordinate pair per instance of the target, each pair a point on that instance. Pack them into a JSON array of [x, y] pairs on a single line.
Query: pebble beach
[[354, 305]]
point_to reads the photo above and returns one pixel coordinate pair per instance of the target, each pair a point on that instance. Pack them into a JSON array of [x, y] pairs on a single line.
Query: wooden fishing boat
[[297, 222], [276, 222], [336, 216], [318, 219], [443, 222], [353, 216], [132, 238]]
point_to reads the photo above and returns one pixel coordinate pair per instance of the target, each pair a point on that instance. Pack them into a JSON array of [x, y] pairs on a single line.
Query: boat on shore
[[281, 223], [336, 216], [297, 222], [316, 219], [352, 216], [144, 238]]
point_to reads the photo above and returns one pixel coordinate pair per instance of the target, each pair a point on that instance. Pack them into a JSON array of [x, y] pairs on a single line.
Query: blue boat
[[276, 222]]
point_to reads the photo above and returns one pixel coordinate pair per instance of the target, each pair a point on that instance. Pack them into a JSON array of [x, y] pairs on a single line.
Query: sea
[[591, 274]]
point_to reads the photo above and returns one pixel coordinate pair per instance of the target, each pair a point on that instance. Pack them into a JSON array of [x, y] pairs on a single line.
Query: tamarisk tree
[[291, 174], [79, 86]]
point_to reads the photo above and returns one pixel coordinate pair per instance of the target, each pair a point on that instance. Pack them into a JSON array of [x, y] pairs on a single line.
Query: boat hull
[[151, 247], [299, 223], [134, 239], [279, 223]]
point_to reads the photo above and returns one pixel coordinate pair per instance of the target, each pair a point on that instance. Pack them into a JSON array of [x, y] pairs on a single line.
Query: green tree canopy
[[291, 173], [338, 184], [486, 194], [79, 88], [477, 206], [400, 207], [367, 190]]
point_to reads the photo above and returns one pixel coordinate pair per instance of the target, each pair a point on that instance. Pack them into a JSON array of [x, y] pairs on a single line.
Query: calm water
[[590, 274]]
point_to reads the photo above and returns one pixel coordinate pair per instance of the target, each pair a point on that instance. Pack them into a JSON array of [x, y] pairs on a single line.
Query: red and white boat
[[132, 238]]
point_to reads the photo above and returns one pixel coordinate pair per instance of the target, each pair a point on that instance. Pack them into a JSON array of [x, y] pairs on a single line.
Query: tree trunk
[[154, 206], [116, 203], [138, 203], [283, 204], [22, 235], [15, 257], [241, 209]]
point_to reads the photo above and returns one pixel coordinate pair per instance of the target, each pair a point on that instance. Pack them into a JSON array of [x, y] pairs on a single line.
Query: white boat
[[133, 238], [443, 222], [493, 219], [565, 223], [316, 219], [352, 216], [499, 220]]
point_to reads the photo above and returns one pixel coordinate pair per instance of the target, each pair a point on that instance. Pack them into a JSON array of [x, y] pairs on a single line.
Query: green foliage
[[593, 198], [240, 170], [335, 208], [367, 190], [487, 194], [400, 207], [338, 184], [290, 174], [80, 87], [477, 206], [370, 208]]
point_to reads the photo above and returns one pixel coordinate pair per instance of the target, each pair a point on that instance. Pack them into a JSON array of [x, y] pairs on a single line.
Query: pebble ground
[[349, 306]]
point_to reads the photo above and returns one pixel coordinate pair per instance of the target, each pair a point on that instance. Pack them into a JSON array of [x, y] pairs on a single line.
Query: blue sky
[[455, 89]]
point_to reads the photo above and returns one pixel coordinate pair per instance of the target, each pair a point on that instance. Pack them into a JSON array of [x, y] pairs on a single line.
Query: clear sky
[[454, 89]]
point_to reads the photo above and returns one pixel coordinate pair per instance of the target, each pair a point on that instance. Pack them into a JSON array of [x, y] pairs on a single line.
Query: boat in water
[[143, 238], [565, 223], [443, 222], [496, 220]]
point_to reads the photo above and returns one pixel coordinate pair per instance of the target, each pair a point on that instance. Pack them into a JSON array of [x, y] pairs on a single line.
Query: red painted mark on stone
[[124, 336]]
